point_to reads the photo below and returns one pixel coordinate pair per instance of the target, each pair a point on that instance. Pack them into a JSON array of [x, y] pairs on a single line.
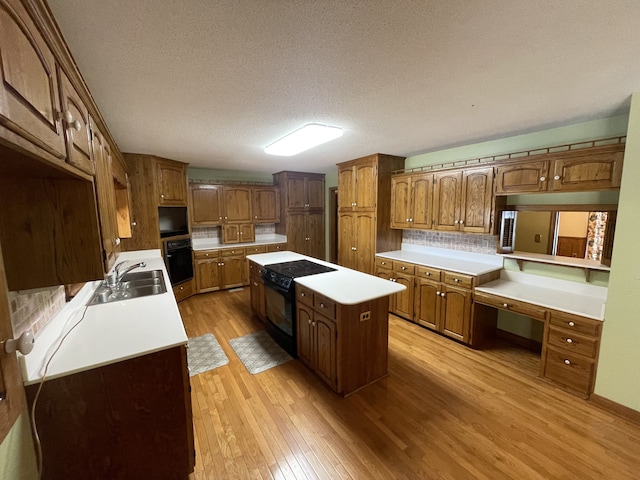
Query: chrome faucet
[[114, 279]]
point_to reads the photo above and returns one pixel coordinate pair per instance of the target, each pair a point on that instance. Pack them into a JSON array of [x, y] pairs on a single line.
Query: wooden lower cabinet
[[129, 419], [345, 345], [183, 290], [439, 300], [256, 286], [219, 269]]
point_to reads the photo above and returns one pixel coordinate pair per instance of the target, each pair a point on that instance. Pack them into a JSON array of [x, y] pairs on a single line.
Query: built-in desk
[[573, 314]]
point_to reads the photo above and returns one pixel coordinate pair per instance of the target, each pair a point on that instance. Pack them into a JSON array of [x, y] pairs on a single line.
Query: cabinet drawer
[[571, 370], [324, 305], [514, 306], [458, 279], [206, 254], [276, 247], [384, 262], [428, 272], [182, 291], [256, 249], [304, 295], [404, 267], [231, 252], [572, 342], [575, 323]]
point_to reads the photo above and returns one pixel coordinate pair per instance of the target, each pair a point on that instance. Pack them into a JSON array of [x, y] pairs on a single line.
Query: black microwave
[[173, 221]]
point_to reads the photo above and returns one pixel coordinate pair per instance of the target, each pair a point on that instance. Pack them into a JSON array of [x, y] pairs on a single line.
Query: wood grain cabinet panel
[[237, 204], [265, 204], [596, 171], [412, 201], [364, 205], [77, 127], [256, 286], [206, 204], [446, 200], [522, 177], [171, 182], [29, 94]]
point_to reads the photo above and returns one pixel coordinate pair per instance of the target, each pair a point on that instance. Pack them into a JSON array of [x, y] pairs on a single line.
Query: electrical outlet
[[364, 316]]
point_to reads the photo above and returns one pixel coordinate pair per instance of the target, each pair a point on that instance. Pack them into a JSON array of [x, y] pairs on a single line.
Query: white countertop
[[566, 296], [214, 243], [445, 259], [108, 333], [344, 286]]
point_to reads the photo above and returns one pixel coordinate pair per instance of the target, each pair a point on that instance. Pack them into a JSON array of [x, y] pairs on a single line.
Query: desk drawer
[[571, 370], [521, 308], [575, 323], [458, 279], [573, 342]]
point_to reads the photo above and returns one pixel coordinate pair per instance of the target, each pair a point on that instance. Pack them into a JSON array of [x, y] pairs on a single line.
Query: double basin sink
[[132, 285]]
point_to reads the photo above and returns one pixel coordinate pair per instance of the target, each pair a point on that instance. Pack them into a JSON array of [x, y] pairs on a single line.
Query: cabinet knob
[[313, 324], [302, 294], [411, 219], [162, 195], [181, 288], [457, 280], [571, 324], [309, 321], [255, 216], [322, 305], [403, 268], [406, 219], [569, 340], [77, 126], [393, 279], [557, 177], [505, 305], [456, 222], [442, 294], [542, 179], [461, 222], [427, 274], [437, 293], [206, 254], [68, 117], [222, 264], [567, 361], [255, 284]]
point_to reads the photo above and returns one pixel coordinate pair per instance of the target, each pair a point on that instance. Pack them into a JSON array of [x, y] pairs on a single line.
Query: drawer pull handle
[[569, 340], [403, 268], [322, 305], [428, 274], [505, 305], [571, 324], [383, 263], [457, 280], [567, 361], [302, 294]]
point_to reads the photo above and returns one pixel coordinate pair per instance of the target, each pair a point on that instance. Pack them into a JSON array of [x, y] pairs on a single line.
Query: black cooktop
[[298, 268]]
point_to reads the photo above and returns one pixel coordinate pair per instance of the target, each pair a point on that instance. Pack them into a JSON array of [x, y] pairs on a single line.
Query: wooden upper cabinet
[[206, 204], [412, 201], [525, 177], [477, 200], [303, 190], [598, 171], [29, 95], [236, 204], [75, 118], [172, 182], [265, 204], [358, 186], [446, 200]]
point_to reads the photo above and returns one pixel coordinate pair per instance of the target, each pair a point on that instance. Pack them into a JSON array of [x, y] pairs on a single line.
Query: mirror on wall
[[577, 231]]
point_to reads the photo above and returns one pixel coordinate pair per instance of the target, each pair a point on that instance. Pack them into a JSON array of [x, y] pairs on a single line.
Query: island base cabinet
[[130, 419], [345, 345]]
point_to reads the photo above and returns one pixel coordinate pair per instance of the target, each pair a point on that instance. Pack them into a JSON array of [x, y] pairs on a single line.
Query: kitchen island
[[115, 401], [342, 322]]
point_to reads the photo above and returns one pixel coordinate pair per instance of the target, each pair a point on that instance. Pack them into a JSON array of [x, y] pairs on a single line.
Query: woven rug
[[204, 353], [259, 352]]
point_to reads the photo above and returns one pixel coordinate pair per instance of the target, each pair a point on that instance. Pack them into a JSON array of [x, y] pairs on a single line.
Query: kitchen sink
[[132, 285]]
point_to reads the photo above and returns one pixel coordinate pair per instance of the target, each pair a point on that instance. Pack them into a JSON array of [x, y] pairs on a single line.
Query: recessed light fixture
[[309, 136]]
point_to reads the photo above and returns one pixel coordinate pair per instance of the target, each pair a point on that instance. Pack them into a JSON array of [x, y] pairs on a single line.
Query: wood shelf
[[587, 266]]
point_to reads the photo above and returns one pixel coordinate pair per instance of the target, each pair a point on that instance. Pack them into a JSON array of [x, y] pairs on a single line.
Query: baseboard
[[620, 410], [523, 342]]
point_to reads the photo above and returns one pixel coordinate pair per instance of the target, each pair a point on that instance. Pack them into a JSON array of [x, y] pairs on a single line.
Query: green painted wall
[[618, 376], [17, 455]]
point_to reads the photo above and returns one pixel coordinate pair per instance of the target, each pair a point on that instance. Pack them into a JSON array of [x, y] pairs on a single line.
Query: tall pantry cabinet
[[364, 202], [302, 211]]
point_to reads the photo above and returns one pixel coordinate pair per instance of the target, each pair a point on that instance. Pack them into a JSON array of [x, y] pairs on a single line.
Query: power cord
[[35, 399]]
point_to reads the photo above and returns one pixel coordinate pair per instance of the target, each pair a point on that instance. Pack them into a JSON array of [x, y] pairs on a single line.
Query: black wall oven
[[280, 299], [177, 258]]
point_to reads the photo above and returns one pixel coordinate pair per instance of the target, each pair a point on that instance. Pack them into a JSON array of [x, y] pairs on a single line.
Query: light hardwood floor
[[444, 412]]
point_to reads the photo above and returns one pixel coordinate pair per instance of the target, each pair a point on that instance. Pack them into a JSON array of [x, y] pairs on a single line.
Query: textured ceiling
[[212, 82]]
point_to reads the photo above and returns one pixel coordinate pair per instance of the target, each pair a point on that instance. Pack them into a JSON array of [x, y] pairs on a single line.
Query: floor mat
[[204, 353], [259, 352]]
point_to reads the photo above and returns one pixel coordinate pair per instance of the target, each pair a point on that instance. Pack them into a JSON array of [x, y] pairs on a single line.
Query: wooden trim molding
[[617, 409]]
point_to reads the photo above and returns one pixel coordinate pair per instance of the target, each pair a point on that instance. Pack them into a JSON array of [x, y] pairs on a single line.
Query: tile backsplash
[[33, 310], [467, 242]]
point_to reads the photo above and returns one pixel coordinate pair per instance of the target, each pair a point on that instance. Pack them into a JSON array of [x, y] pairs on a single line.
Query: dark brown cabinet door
[[172, 183], [29, 96], [476, 201], [314, 230], [457, 312], [446, 200], [296, 192], [427, 304], [346, 240], [315, 192], [76, 126], [256, 285], [296, 236], [265, 203], [325, 348], [364, 234], [304, 334], [347, 188], [206, 204]]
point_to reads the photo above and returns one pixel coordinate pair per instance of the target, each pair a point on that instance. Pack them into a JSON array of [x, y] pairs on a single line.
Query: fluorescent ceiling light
[[309, 136]]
